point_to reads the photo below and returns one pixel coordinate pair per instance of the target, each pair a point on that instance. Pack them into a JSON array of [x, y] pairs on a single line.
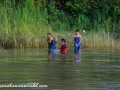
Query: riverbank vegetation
[[25, 23]]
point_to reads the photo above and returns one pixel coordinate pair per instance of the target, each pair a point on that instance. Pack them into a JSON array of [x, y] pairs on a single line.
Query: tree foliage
[[83, 11]]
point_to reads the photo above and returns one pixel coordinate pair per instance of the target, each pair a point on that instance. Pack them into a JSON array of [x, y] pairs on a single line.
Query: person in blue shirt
[[51, 42], [77, 39]]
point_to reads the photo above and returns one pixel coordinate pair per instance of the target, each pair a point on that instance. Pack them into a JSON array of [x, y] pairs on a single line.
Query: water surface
[[93, 69]]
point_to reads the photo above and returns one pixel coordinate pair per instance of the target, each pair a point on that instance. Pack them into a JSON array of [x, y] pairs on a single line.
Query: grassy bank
[[22, 28], [93, 40], [27, 28]]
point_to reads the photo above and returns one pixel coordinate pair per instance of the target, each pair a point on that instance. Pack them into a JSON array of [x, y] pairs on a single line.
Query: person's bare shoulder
[[51, 38], [80, 37]]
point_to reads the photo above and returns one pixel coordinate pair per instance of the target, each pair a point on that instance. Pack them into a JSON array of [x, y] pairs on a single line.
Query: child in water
[[51, 42], [63, 48], [77, 42]]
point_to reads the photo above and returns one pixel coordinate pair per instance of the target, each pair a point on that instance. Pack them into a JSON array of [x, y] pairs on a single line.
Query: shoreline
[[89, 40]]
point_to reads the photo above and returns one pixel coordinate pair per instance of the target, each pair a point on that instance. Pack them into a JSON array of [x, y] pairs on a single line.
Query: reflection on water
[[77, 61], [77, 58], [88, 70], [63, 56], [51, 56]]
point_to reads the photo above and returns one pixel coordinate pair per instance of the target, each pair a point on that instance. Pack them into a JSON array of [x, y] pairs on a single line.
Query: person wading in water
[[51, 42], [77, 39]]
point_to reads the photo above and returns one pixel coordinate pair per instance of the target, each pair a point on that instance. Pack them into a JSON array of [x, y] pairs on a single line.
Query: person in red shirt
[[63, 48]]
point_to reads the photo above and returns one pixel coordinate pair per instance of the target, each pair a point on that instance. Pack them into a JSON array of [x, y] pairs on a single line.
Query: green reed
[[27, 27], [23, 27]]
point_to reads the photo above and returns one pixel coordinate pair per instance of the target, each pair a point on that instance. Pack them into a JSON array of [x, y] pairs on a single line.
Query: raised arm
[[49, 40], [59, 43]]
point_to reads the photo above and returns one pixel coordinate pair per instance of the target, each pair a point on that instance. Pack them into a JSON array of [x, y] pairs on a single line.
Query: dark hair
[[77, 30], [63, 40], [48, 33]]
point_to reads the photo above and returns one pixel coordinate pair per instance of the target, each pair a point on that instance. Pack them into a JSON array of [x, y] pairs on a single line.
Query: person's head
[[77, 31], [63, 41], [49, 35]]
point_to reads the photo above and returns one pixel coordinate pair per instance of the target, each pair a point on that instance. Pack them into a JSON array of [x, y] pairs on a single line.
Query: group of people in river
[[77, 39]]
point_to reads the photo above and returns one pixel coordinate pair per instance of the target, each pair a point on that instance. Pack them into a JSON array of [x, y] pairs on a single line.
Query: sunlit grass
[[100, 40], [27, 28]]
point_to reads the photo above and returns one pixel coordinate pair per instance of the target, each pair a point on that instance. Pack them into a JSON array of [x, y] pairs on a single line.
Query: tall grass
[[91, 39], [27, 27], [23, 27]]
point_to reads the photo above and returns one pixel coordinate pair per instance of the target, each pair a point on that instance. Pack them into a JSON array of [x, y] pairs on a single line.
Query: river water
[[93, 69]]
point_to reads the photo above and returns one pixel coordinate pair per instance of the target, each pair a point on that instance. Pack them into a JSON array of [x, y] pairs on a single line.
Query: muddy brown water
[[93, 69]]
